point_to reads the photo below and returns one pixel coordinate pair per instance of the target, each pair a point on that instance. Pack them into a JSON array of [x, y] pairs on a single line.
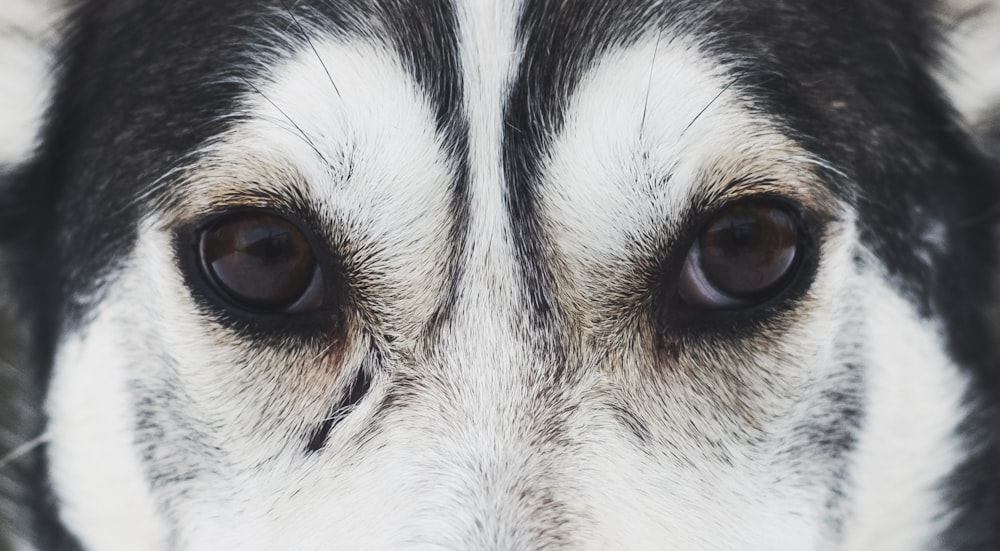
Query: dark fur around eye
[[263, 272], [738, 266]]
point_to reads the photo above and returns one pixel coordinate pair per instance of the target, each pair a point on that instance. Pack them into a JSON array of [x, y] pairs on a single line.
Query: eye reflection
[[262, 262], [744, 255]]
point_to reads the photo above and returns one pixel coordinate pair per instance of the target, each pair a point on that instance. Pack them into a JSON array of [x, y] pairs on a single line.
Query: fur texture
[[503, 195]]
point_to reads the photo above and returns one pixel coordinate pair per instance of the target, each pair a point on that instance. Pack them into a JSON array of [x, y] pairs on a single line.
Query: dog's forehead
[[169, 66], [467, 90], [475, 177], [193, 64], [197, 65]]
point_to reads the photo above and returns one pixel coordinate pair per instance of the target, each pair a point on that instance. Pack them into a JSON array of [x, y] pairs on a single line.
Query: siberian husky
[[500, 275]]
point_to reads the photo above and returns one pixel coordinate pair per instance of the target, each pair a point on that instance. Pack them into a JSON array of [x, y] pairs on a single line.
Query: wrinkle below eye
[[354, 394]]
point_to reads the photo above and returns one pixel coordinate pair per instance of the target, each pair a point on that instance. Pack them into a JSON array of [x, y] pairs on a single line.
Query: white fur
[[626, 170], [622, 173], [909, 441], [971, 76], [26, 47], [491, 56], [377, 128], [387, 185], [93, 458], [461, 467]]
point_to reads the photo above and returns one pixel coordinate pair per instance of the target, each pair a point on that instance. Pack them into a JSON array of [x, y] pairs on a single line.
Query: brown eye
[[744, 255], [262, 262]]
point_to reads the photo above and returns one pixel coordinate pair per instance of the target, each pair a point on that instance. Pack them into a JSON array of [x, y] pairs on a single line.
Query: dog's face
[[508, 275]]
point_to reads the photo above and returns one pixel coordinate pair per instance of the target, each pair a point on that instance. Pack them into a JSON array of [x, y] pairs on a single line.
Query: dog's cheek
[[95, 466], [914, 406]]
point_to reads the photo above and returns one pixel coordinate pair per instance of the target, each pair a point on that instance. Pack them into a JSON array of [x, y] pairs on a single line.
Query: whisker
[[826, 166], [649, 81], [290, 120], [185, 163], [283, 124], [339, 414], [312, 46], [725, 89], [326, 350], [23, 450]]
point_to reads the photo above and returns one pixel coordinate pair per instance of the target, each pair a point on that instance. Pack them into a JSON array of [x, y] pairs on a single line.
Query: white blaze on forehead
[[489, 57]]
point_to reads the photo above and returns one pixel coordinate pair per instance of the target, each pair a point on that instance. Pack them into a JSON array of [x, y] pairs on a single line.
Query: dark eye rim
[[211, 299], [676, 315]]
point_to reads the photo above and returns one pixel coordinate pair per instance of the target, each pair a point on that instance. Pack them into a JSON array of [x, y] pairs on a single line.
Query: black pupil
[[261, 261], [747, 250]]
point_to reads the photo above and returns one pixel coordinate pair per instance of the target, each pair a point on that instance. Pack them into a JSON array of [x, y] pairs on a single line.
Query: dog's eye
[[745, 254], [262, 262]]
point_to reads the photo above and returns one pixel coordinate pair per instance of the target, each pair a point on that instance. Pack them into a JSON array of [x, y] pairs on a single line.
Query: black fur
[[357, 391], [140, 87]]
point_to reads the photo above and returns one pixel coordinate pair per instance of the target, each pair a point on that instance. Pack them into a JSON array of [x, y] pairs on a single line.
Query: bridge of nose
[[491, 319], [502, 413]]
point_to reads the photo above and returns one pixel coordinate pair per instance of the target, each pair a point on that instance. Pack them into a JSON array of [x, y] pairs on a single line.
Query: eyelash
[[671, 310], [268, 327]]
